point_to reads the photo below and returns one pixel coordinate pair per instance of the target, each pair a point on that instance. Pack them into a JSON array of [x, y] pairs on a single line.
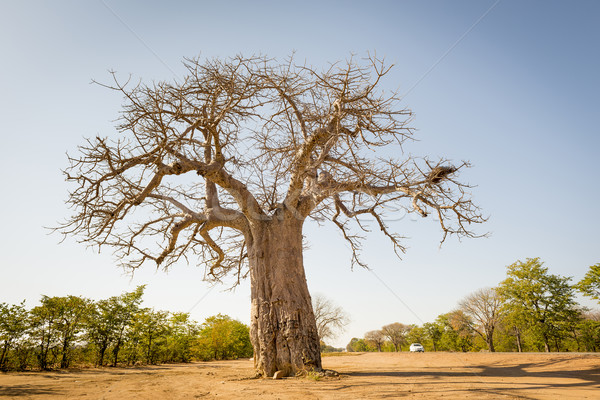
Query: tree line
[[530, 310], [74, 331]]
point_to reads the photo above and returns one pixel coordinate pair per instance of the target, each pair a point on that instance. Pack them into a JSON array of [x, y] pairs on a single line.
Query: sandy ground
[[363, 376]]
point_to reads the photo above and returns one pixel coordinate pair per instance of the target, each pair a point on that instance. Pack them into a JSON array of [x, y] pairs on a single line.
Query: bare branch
[[244, 141]]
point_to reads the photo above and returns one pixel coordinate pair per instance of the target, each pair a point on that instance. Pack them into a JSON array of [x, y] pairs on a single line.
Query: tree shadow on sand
[[12, 391], [483, 378]]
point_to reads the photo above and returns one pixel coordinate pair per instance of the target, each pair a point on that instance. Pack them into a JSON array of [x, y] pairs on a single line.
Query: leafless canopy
[[198, 161], [483, 312], [396, 333], [329, 317]]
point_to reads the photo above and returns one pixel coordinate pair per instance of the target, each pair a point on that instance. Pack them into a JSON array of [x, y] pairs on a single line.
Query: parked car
[[417, 347]]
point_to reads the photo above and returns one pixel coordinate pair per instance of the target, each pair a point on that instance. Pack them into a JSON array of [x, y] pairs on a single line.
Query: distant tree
[[545, 302], [358, 345], [150, 328], [515, 322], [376, 338], [484, 308], [71, 316], [434, 332], [44, 321], [590, 284], [108, 321], [182, 331], [396, 333], [227, 163], [330, 318], [588, 330], [221, 338], [102, 327], [13, 326], [416, 334], [457, 334], [330, 349], [124, 309]]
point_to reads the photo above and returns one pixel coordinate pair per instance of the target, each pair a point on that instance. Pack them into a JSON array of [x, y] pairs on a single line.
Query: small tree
[[396, 333], [457, 334], [329, 317], [182, 331], [151, 328], [416, 334], [227, 164], [221, 338], [483, 307], [72, 314], [543, 301], [376, 338], [44, 321], [589, 330], [124, 309], [102, 326], [13, 326], [358, 345], [434, 331]]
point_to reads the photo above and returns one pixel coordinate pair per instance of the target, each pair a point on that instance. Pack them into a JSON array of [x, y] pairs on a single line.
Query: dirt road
[[363, 376]]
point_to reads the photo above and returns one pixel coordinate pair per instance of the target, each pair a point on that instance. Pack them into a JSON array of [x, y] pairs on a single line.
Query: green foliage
[[538, 313], [590, 284], [359, 345], [540, 302], [416, 334], [222, 338], [182, 332], [63, 331], [325, 348], [457, 334], [110, 320], [396, 334], [375, 339], [56, 324], [587, 335], [433, 332], [13, 325], [150, 331]]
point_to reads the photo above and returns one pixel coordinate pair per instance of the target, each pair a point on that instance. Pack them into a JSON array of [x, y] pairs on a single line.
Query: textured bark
[[490, 340], [283, 328]]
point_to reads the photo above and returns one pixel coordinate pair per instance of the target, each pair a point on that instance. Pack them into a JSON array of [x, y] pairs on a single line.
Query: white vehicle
[[416, 348]]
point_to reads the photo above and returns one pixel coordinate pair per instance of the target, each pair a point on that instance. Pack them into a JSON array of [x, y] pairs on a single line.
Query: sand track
[[363, 376]]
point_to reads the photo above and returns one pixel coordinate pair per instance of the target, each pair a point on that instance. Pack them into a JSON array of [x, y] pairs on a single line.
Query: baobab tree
[[224, 166]]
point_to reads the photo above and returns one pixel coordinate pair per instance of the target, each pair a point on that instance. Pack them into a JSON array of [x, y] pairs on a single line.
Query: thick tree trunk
[[283, 328]]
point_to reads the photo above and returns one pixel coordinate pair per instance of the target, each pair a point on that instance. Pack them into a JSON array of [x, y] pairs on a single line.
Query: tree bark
[[64, 362], [490, 340], [546, 344], [283, 329], [518, 337]]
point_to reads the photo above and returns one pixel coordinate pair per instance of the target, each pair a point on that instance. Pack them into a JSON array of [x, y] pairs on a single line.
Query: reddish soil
[[363, 376]]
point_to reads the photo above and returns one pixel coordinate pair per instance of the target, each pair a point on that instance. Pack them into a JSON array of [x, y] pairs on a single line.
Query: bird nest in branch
[[438, 173]]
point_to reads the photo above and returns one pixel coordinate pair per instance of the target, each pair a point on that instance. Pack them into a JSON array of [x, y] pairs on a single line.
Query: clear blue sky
[[517, 96]]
